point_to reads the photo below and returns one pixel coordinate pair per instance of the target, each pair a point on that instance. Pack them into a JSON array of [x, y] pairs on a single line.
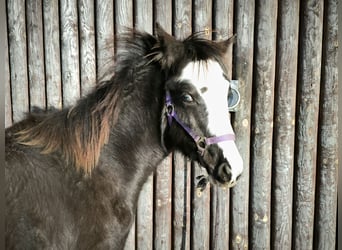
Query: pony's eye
[[187, 98]]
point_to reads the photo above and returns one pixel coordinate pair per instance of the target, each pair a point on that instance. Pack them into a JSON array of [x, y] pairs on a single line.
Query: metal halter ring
[[233, 96], [201, 143]]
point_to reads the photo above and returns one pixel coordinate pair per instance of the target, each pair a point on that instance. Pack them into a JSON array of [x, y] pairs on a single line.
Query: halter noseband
[[201, 141]]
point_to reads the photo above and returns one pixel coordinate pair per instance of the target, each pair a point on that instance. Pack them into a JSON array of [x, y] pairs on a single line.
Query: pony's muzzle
[[224, 175]]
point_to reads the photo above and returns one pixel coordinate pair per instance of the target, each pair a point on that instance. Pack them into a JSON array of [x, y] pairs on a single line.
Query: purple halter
[[201, 141]]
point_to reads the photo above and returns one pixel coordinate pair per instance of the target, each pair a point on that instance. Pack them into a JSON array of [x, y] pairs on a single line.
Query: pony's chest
[[105, 225]]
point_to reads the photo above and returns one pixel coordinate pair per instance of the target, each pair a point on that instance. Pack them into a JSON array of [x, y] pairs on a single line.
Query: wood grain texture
[[262, 130], [181, 165], [130, 241], [181, 202], [104, 38], [144, 217], [18, 58], [8, 98], [163, 177], [286, 197], [162, 208], [35, 53], [309, 79], [201, 223], [87, 45], [52, 54], [327, 165], [202, 17], [182, 18], [242, 70], [143, 18], [144, 220], [219, 218], [123, 15], [70, 52], [223, 13], [200, 211], [163, 14], [220, 197], [284, 124]]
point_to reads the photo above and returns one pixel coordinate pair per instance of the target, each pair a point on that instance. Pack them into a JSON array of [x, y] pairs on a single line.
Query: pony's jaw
[[211, 83]]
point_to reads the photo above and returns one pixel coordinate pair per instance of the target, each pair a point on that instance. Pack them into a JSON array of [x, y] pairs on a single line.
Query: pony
[[73, 176]]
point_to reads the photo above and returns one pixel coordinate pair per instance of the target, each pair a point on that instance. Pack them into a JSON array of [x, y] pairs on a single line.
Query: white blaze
[[209, 75]]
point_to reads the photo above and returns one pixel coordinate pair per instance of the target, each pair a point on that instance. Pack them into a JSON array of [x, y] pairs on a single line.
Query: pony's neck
[[134, 148]]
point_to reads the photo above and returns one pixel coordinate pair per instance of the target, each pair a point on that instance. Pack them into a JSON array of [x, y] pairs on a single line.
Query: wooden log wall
[[285, 59]]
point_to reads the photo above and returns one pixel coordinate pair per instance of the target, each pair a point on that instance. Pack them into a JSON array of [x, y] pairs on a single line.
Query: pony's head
[[195, 116]]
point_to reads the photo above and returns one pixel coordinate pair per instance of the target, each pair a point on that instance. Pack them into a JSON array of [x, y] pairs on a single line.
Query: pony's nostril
[[224, 172], [238, 177]]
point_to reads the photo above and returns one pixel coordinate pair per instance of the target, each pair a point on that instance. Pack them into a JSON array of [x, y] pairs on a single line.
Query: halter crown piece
[[201, 141]]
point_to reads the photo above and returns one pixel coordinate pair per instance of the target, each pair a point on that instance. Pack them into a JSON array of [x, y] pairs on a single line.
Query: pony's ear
[[167, 49], [225, 44], [162, 35]]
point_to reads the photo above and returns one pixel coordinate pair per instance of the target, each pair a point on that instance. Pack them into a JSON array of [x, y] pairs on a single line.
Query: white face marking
[[209, 76]]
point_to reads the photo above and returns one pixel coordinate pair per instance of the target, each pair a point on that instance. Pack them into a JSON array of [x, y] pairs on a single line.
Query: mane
[[79, 132]]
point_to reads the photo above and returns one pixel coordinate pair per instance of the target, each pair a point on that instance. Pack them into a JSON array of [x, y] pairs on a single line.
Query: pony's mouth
[[203, 181], [219, 174]]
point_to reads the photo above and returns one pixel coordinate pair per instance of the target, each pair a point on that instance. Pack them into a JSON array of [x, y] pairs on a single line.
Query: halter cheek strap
[[201, 141]]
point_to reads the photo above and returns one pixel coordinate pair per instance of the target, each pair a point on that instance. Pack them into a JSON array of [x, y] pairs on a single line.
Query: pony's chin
[[221, 184]]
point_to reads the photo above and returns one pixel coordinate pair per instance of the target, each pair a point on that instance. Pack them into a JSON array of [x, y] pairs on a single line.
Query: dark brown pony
[[73, 176]]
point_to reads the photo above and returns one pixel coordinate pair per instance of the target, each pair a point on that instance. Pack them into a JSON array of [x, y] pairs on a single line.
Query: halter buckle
[[170, 111], [201, 143]]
